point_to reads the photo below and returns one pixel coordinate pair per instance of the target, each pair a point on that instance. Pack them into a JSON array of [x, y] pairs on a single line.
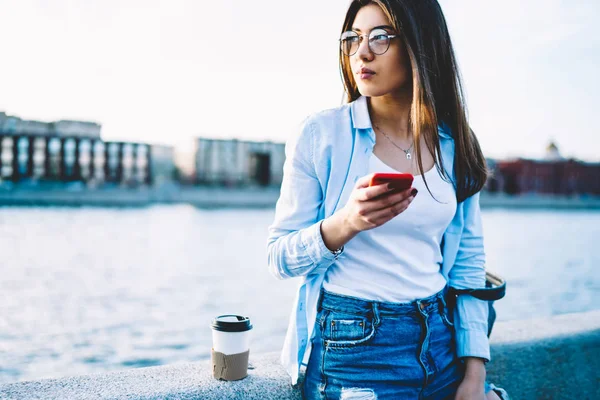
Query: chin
[[372, 90]]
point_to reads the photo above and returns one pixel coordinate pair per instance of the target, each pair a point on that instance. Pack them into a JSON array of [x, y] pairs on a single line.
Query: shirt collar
[[361, 119], [360, 113]]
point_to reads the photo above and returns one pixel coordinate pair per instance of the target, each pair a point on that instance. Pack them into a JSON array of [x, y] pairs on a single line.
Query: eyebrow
[[375, 27]]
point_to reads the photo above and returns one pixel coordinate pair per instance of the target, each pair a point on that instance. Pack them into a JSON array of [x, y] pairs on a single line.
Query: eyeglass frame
[[360, 39]]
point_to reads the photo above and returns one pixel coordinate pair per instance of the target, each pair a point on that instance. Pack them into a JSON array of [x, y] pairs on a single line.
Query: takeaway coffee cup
[[231, 347]]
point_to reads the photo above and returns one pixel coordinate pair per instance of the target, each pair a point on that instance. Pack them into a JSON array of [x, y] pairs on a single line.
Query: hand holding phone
[[398, 181], [372, 202]]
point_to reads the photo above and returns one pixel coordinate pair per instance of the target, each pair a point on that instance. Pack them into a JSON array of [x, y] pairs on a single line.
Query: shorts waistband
[[355, 305]]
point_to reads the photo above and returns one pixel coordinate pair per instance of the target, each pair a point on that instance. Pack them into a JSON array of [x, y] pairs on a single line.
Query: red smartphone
[[400, 181]]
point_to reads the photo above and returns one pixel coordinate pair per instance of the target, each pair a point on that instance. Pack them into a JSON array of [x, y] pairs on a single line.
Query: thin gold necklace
[[407, 151]]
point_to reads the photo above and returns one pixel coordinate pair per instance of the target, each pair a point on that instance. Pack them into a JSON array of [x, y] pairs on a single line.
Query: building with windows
[[238, 163], [552, 175], [68, 151]]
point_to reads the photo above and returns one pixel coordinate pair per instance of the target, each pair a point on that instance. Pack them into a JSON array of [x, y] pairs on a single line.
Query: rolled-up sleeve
[[295, 245], [468, 271]]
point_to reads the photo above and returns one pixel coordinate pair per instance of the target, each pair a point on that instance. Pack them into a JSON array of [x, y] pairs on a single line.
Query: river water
[[95, 290]]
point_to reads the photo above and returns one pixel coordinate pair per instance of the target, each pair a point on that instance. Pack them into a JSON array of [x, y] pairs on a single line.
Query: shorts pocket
[[346, 329]]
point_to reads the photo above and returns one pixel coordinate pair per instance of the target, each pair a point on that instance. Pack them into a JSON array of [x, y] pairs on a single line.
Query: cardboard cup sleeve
[[230, 367]]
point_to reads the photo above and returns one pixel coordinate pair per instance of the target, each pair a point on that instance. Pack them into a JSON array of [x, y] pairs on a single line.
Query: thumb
[[363, 182]]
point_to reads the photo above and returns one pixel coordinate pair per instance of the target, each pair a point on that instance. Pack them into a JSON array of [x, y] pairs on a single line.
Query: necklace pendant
[[408, 156]]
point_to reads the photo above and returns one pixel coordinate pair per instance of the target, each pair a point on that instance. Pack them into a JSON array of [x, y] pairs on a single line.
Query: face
[[378, 74]]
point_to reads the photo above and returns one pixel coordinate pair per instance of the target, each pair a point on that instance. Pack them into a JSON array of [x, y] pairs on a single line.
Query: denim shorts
[[377, 350]]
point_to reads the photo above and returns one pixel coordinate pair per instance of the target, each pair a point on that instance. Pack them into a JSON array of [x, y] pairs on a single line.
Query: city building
[[553, 175], [238, 163], [552, 152], [68, 151], [12, 125]]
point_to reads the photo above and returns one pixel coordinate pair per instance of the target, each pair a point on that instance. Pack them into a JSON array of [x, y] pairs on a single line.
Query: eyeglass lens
[[379, 41]]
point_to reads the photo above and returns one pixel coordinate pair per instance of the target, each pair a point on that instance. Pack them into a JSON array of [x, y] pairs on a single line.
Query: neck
[[391, 113]]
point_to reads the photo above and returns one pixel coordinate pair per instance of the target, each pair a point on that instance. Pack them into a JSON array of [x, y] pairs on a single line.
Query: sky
[[167, 71]]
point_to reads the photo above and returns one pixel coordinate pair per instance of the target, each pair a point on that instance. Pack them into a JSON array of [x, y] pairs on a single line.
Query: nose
[[364, 52]]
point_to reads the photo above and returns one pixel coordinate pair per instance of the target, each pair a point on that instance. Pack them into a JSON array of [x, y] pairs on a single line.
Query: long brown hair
[[438, 97]]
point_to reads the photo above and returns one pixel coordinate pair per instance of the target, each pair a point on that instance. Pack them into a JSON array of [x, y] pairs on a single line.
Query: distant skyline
[[165, 72]]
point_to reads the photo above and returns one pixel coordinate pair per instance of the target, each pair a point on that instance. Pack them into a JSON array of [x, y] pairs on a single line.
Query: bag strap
[[495, 289]]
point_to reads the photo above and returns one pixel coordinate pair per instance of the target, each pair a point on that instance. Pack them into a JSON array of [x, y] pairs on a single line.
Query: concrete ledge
[[546, 358], [177, 381]]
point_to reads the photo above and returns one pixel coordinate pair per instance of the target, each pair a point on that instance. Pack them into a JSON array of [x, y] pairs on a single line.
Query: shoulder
[[329, 118], [318, 129], [323, 126]]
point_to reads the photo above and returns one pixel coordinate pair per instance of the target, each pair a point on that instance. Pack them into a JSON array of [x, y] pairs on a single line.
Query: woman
[[370, 319]]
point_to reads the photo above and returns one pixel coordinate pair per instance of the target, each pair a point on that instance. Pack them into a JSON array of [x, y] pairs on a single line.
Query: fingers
[[392, 199], [372, 192], [363, 182], [375, 205], [383, 215], [364, 192]]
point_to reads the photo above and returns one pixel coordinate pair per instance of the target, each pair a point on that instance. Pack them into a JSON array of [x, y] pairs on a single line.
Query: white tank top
[[399, 261]]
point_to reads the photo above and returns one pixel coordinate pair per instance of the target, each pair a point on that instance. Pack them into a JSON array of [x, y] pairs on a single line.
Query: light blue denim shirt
[[323, 161]]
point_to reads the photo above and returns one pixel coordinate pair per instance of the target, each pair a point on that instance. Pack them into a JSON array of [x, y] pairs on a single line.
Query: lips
[[365, 73]]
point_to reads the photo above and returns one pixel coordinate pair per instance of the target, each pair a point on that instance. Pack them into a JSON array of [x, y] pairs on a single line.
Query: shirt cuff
[[472, 343], [315, 246]]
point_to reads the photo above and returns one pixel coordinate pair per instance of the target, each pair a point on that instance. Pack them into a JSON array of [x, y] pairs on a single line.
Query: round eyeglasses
[[378, 41]]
